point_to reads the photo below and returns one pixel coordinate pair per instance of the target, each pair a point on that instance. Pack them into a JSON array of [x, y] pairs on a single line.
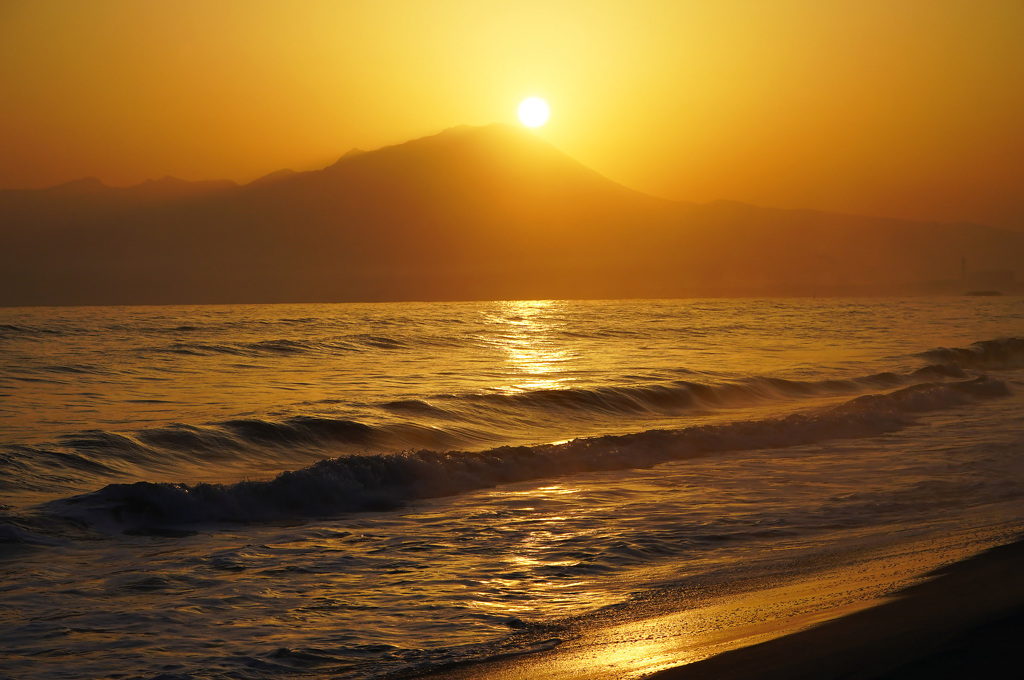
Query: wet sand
[[966, 622], [959, 621]]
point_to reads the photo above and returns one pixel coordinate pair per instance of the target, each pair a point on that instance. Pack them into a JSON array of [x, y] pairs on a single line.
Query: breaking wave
[[1000, 354], [466, 421], [683, 395], [387, 480]]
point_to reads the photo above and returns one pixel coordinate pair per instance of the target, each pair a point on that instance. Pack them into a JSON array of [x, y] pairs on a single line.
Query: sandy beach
[[965, 619]]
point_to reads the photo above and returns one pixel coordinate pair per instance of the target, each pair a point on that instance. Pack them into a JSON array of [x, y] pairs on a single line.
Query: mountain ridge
[[91, 182], [473, 212]]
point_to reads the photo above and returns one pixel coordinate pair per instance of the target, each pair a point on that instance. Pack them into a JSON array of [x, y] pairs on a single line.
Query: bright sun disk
[[533, 112]]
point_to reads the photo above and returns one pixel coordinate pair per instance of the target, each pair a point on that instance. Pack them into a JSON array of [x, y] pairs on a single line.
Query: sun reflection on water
[[543, 563], [526, 333]]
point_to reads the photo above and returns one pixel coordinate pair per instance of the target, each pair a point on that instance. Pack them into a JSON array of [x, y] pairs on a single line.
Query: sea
[[391, 490]]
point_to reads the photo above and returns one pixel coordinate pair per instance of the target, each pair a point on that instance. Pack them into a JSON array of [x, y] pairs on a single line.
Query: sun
[[533, 112]]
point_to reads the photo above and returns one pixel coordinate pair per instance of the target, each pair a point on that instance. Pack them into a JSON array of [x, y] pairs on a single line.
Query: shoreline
[[968, 620], [872, 618]]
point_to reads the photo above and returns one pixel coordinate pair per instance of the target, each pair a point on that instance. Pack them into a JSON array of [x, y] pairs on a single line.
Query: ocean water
[[361, 491]]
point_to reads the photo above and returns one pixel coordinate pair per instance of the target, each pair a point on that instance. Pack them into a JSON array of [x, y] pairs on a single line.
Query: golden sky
[[908, 108]]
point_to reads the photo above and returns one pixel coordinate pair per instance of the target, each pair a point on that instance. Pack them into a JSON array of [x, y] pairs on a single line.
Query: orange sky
[[909, 108]]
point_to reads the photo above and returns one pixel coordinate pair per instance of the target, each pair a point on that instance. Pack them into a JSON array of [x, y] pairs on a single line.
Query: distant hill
[[487, 212]]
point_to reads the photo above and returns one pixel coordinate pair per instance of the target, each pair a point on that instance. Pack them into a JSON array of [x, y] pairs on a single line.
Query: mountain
[[490, 212]]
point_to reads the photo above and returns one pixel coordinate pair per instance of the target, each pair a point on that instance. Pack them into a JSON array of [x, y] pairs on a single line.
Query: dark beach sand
[[968, 622]]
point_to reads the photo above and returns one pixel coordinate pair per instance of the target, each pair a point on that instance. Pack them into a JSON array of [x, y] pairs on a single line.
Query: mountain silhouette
[[490, 212]]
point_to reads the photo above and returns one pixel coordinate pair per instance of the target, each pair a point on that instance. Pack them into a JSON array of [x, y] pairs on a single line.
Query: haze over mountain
[[488, 212]]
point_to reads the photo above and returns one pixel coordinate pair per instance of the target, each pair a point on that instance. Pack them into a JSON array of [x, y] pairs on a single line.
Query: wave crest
[[384, 481], [999, 354]]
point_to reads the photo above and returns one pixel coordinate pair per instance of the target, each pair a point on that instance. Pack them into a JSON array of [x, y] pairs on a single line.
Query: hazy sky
[[911, 108]]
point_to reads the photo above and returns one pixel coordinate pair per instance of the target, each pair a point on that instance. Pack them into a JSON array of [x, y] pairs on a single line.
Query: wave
[[467, 420], [1002, 353], [102, 452], [301, 430], [12, 534], [388, 480], [670, 398], [34, 468], [279, 347], [72, 369], [999, 354], [450, 422], [10, 330], [261, 348]]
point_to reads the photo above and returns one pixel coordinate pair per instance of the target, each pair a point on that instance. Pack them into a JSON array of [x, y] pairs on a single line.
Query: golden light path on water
[[535, 360], [541, 548]]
